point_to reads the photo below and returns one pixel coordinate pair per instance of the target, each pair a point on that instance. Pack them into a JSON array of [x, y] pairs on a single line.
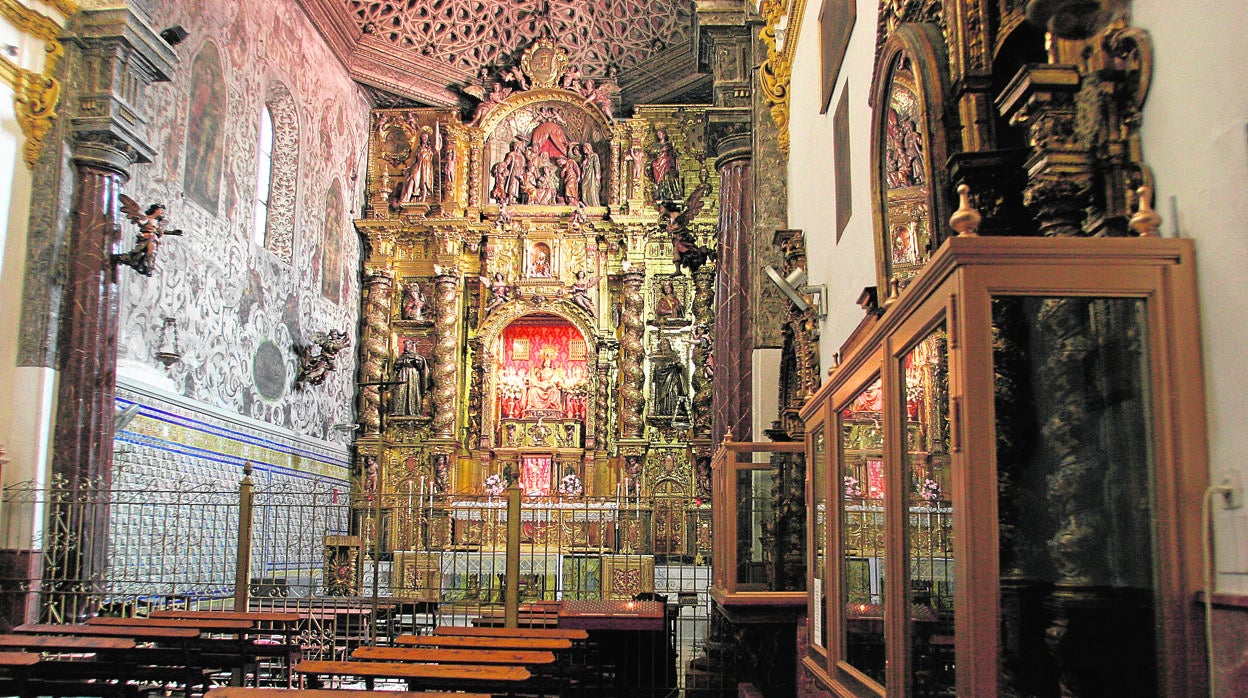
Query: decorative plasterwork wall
[[241, 309]]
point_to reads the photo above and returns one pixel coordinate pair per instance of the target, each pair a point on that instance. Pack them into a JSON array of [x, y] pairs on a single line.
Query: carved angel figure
[[580, 291], [315, 368], [142, 257], [685, 249], [499, 289], [600, 94], [497, 94]]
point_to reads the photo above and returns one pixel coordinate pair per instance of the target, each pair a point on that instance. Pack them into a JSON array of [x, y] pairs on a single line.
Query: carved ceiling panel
[[602, 37]]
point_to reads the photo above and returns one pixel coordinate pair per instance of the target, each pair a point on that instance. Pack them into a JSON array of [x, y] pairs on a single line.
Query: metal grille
[[363, 571]]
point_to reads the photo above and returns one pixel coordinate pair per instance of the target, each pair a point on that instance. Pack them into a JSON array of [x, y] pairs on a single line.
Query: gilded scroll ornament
[[35, 95], [775, 72]]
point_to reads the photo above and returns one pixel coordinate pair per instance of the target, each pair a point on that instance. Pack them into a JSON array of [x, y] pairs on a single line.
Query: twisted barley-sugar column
[[375, 347], [632, 353], [445, 351]]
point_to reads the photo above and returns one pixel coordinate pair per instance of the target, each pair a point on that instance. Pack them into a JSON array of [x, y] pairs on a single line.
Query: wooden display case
[[1020, 437], [747, 550]]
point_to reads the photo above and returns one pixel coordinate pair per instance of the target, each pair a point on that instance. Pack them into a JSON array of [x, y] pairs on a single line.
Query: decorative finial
[[727, 436], [1145, 222], [894, 290], [966, 219]]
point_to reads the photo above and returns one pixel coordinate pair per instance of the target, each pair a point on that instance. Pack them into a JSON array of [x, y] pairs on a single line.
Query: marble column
[[445, 352], [119, 55], [632, 355], [375, 347], [733, 395]]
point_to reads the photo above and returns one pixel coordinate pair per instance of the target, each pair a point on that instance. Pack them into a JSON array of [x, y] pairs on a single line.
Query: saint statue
[[545, 390], [670, 378], [419, 183], [591, 175], [412, 370], [414, 302], [663, 169], [668, 308]]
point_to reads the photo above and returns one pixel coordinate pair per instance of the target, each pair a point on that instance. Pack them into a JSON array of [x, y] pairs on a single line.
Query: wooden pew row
[[551, 644], [576, 635], [454, 656], [276, 633], [478, 677], [97, 666], [186, 655], [241, 692]]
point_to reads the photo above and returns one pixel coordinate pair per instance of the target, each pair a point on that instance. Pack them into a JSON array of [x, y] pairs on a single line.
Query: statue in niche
[[442, 473], [670, 379], [499, 289], [545, 389], [539, 260], [419, 182], [570, 170], [668, 310], [637, 157], [412, 370], [414, 303], [580, 291], [450, 158], [591, 176], [664, 170]]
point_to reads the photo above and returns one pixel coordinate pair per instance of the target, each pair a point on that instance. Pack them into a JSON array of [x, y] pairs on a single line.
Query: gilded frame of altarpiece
[[462, 254]]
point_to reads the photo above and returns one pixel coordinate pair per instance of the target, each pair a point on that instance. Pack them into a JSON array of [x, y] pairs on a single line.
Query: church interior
[[745, 347]]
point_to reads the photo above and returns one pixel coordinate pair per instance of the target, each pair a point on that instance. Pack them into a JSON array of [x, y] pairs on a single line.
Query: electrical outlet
[[1233, 498]]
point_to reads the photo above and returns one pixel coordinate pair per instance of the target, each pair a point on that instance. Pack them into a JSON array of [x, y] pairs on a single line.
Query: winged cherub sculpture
[[686, 251], [142, 257]]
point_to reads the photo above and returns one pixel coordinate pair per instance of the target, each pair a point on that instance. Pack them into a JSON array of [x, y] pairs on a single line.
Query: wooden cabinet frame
[[957, 288]]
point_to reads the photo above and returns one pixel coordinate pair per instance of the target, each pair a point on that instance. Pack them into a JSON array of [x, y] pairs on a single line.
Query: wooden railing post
[[242, 572], [511, 599]]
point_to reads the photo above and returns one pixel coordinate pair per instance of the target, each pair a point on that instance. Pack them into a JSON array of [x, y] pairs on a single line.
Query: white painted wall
[[1196, 140], [26, 394], [846, 267]]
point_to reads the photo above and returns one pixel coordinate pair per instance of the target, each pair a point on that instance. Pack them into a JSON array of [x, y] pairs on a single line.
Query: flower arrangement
[[570, 486], [493, 485], [929, 489], [853, 488]]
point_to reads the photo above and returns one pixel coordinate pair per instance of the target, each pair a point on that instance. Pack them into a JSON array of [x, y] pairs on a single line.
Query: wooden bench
[[443, 676], [276, 633], [68, 644], [204, 626], [551, 644], [558, 633], [454, 656], [240, 692], [102, 666], [15, 670], [140, 633], [174, 654]]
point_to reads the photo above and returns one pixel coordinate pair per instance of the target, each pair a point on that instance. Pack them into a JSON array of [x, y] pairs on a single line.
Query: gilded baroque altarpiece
[[537, 301]]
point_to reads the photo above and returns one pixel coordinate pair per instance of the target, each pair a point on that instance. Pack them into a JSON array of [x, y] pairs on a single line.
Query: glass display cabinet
[[1003, 471], [758, 533]]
